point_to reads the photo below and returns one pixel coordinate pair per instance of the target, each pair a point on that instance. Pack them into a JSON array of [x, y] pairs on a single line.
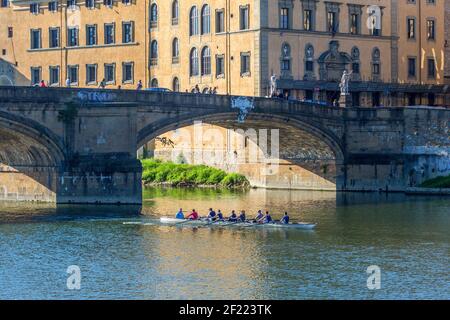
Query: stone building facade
[[396, 49]]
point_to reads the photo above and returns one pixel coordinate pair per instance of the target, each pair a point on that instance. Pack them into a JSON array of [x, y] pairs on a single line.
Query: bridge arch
[[306, 151], [31, 157]]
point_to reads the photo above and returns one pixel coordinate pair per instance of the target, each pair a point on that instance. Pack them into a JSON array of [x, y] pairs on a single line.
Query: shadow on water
[[14, 212]]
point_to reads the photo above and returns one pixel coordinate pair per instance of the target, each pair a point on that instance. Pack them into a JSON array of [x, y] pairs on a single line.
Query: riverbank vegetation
[[438, 182], [156, 172]]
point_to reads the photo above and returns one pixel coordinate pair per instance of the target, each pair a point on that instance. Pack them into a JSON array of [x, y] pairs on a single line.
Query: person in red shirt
[[42, 84], [193, 215]]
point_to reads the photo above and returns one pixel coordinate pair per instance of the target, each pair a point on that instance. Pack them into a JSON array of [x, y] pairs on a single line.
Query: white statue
[[273, 86], [344, 82]]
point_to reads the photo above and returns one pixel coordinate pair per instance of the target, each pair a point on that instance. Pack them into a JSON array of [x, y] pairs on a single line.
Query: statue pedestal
[[345, 101]]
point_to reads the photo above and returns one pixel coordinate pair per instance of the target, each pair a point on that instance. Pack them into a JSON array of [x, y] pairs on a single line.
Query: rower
[[242, 216], [233, 217], [193, 215], [219, 215], [211, 214], [180, 214], [259, 216], [285, 219], [267, 218]]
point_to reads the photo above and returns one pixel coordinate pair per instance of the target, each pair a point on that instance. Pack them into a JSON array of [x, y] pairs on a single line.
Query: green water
[[408, 238]]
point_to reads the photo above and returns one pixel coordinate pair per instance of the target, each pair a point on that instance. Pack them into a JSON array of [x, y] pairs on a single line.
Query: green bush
[[156, 171], [438, 182]]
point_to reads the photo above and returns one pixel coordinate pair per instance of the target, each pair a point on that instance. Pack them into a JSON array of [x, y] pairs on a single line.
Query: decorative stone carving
[[333, 62]]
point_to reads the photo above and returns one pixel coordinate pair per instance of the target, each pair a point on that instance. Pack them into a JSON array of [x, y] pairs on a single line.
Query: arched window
[[206, 61], [285, 60], [376, 62], [206, 19], [175, 50], [176, 85], [175, 12], [154, 83], [154, 53], [309, 62], [153, 14], [193, 58], [356, 63], [193, 25]]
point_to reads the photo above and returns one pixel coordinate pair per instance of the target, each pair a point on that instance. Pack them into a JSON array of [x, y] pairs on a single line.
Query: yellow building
[[395, 48]]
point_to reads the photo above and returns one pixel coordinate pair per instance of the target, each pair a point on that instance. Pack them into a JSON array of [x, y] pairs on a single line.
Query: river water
[[407, 237]]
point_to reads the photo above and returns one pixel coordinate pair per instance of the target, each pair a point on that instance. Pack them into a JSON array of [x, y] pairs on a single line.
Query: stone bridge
[[79, 145]]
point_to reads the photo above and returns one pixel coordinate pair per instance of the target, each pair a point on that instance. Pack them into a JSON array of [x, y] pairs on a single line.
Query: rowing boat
[[207, 222]]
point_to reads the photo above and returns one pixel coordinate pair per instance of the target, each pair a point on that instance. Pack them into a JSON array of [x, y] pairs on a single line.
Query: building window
[[332, 22], [90, 4], [10, 32], [108, 3], [35, 75], [72, 37], [53, 76], [285, 60], [153, 15], [309, 63], [91, 35], [376, 71], [53, 37], [35, 39], [4, 3], [53, 6], [110, 73], [411, 27], [220, 26], [128, 32], [245, 64], [126, 2], [154, 83], [355, 12], [307, 20], [175, 51], [71, 4], [193, 21], [127, 72], [206, 61], [374, 21], [175, 12], [284, 18], [431, 68], [356, 63], [91, 74], [176, 85], [34, 8], [154, 53], [431, 29], [220, 66], [244, 18], [193, 58], [72, 75], [411, 67], [109, 33], [206, 19]]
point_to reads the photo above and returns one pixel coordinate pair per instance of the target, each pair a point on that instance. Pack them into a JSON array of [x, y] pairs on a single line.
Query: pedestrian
[[197, 89], [215, 90], [42, 84], [102, 84], [68, 83], [119, 87], [139, 85]]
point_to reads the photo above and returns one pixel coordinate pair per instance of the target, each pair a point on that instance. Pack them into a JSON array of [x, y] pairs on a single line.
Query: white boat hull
[[174, 221]]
